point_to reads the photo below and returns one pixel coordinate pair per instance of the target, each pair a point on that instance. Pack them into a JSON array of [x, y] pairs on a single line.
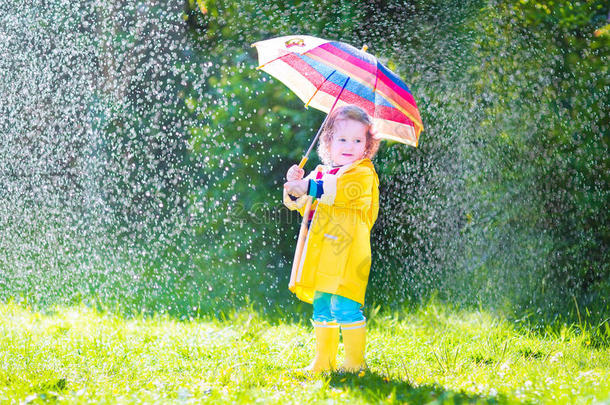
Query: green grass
[[431, 355]]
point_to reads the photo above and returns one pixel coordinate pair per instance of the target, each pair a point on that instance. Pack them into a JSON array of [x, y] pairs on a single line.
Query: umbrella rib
[[272, 60], [339, 96], [374, 94], [318, 88]]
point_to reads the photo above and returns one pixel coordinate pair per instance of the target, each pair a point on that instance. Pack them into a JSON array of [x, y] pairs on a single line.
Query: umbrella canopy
[[327, 73]]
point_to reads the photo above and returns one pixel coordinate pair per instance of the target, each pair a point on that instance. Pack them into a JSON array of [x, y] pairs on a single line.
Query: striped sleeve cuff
[[315, 188], [330, 189]]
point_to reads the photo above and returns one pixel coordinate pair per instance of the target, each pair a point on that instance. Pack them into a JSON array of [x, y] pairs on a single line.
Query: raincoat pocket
[[336, 242]]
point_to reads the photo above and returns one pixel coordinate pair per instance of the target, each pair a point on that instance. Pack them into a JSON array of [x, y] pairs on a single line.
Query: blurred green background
[[168, 196]]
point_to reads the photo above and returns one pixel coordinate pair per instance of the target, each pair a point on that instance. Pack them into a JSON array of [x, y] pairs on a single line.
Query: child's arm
[[296, 202]]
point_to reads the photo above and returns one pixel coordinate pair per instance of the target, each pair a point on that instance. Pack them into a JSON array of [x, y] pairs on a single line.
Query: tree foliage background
[[505, 200], [176, 195]]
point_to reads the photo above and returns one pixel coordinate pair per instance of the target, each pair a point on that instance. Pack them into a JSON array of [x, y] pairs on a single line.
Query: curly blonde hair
[[347, 112]]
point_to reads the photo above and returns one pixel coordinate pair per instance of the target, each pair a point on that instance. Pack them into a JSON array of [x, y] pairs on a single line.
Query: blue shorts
[[335, 309]]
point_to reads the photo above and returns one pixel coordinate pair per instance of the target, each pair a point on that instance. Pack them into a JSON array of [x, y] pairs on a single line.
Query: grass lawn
[[432, 355]]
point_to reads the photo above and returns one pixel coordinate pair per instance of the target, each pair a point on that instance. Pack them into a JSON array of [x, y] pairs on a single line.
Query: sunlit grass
[[432, 355]]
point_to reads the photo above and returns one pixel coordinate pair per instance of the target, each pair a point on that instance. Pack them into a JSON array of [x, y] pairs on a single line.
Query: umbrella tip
[[365, 47]]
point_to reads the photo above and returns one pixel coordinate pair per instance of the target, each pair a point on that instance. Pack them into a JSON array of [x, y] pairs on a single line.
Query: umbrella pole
[[304, 159]]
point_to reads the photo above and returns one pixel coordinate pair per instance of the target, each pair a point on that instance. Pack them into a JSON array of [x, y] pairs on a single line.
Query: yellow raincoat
[[337, 254]]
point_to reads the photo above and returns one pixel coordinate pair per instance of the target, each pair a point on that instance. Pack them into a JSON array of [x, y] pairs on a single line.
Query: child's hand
[[295, 173], [297, 187]]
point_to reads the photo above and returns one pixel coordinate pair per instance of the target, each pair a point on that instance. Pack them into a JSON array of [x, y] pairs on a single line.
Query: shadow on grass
[[375, 388]]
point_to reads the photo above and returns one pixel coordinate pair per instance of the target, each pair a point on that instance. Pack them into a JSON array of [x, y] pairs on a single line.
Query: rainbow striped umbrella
[[325, 74]]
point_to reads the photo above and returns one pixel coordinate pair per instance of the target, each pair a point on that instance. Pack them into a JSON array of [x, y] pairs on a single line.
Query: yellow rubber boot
[[354, 341], [327, 343]]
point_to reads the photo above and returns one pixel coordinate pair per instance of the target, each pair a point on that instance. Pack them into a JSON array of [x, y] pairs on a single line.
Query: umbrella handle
[[300, 244], [303, 161]]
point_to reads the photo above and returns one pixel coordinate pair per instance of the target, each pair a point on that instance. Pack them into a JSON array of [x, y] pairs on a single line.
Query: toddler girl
[[334, 267]]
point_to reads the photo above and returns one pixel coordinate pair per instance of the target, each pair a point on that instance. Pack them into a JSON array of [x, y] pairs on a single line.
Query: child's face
[[348, 143]]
